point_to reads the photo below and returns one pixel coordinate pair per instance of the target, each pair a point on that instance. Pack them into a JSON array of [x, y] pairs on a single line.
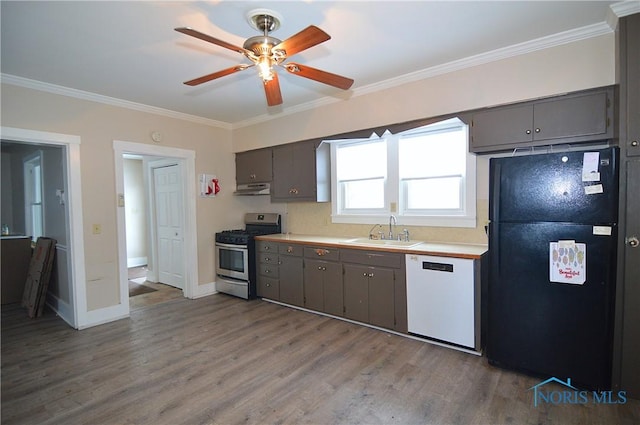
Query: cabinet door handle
[[319, 268], [634, 143], [267, 284], [364, 274], [289, 250], [267, 248], [252, 176], [633, 242], [370, 274], [267, 271], [537, 130], [528, 132], [324, 269]]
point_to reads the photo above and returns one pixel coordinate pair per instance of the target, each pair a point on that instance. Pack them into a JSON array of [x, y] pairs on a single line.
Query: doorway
[[186, 259], [69, 296]]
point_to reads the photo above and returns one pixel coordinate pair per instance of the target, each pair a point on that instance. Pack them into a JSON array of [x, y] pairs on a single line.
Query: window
[[32, 166], [424, 176]]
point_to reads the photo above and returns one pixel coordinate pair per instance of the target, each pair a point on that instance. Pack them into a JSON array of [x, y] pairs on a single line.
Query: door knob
[[633, 241]]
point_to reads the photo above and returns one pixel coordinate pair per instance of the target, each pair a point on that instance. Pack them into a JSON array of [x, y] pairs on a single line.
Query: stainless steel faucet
[[392, 219]]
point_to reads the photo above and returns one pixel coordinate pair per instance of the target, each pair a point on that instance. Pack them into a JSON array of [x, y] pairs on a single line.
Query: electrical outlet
[[97, 229]]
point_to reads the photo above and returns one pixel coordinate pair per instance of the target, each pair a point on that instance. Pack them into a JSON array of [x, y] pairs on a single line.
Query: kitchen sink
[[382, 242]]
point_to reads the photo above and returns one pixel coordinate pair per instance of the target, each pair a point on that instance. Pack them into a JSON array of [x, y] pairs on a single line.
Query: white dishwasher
[[441, 298]]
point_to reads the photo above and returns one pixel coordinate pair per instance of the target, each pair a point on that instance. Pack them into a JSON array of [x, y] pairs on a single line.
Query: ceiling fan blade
[[324, 77], [215, 75], [306, 38], [272, 90], [197, 34]]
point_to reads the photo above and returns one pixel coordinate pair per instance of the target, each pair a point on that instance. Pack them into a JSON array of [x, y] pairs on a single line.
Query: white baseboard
[[204, 290], [62, 309]]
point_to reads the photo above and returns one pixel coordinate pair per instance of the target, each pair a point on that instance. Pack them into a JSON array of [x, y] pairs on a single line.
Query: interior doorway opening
[[154, 157]]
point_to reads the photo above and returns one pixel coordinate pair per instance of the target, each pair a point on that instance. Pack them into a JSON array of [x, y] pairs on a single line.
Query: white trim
[[98, 98], [589, 31], [76, 263], [190, 230], [204, 290]]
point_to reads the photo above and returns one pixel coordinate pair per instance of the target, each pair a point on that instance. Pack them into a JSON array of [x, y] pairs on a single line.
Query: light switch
[[393, 207], [121, 199]]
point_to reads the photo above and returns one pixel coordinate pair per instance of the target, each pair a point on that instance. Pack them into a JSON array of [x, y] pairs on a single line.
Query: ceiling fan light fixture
[[265, 68]]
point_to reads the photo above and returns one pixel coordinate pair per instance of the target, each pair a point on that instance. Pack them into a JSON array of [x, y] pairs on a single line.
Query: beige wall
[[98, 126], [571, 67], [580, 65]]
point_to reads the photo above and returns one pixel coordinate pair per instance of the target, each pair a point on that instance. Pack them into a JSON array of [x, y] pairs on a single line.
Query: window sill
[[463, 221]]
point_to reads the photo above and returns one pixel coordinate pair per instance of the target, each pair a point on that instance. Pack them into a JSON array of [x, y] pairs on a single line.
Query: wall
[[135, 212], [575, 66], [571, 67], [98, 126]]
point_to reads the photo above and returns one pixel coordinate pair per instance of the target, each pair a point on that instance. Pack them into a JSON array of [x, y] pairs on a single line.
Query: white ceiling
[[129, 51]]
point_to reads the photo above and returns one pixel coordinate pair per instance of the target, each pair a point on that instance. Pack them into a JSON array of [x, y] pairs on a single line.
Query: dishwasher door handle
[[439, 267]]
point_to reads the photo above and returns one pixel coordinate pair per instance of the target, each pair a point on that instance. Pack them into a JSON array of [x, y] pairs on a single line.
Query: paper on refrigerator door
[[567, 262]]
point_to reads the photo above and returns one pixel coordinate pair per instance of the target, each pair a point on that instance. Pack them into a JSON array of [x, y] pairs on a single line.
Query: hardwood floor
[[161, 294], [224, 360]]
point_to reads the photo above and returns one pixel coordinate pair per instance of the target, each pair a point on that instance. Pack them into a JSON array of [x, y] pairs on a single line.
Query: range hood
[[251, 189]]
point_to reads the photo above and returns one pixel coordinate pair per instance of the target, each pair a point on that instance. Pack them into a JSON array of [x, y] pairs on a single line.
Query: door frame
[[76, 314], [187, 158]]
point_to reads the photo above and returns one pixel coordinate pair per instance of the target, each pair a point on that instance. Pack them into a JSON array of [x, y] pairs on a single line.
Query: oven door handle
[[231, 246]]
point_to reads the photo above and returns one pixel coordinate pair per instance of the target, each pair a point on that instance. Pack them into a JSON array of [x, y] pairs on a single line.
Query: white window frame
[[465, 217]]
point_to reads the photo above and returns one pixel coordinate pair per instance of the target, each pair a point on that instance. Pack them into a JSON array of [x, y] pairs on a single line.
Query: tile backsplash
[[315, 219]]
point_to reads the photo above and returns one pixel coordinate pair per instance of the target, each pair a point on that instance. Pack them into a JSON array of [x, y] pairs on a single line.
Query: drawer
[[268, 288], [372, 258], [269, 270], [321, 253], [267, 257], [290, 249], [266, 246]]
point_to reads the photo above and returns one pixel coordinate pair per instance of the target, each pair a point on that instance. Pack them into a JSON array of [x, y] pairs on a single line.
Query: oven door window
[[232, 260]]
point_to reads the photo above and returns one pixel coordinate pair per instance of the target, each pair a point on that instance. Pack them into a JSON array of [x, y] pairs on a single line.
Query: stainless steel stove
[[235, 254]]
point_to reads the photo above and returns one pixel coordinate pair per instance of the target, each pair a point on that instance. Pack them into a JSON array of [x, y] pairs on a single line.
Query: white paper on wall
[[567, 262]]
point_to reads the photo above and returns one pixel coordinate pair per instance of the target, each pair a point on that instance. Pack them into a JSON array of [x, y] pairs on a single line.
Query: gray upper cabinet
[[254, 166], [300, 172], [574, 118]]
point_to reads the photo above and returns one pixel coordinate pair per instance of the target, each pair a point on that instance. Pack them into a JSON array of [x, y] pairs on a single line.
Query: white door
[[169, 224]]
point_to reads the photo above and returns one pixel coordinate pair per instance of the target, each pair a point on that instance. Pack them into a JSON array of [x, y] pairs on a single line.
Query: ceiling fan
[[265, 52]]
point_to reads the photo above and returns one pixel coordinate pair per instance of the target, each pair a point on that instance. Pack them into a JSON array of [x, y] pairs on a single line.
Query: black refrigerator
[[552, 256]]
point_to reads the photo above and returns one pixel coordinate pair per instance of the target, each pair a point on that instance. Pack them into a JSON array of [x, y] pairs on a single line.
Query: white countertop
[[457, 250]]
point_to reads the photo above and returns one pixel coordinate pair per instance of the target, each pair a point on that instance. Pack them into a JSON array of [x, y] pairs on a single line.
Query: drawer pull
[[289, 249]]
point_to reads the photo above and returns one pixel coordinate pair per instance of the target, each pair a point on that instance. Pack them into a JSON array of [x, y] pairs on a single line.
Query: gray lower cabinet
[[365, 286], [323, 286], [369, 295], [291, 274], [268, 265], [323, 290], [375, 288], [578, 117]]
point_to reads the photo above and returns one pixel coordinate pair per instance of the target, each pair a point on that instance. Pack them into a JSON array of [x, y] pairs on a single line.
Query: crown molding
[[559, 39], [595, 30], [93, 97], [625, 8]]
